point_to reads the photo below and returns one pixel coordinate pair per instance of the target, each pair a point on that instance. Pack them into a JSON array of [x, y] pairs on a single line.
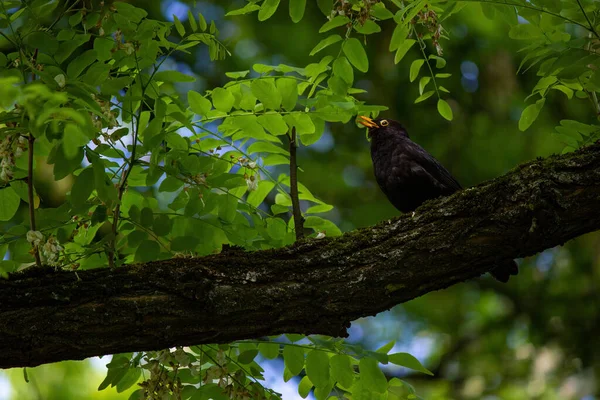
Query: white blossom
[[35, 237], [252, 182], [51, 250]]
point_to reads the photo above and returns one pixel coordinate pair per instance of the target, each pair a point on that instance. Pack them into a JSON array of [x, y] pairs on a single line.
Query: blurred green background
[[537, 337]]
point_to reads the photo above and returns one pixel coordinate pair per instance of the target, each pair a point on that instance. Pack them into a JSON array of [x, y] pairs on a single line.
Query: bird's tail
[[504, 271]]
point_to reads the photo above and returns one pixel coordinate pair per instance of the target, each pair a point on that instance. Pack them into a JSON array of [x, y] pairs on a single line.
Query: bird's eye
[[384, 122]]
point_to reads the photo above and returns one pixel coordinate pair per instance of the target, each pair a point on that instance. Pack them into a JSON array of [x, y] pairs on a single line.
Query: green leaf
[[247, 356], [325, 43], [325, 6], [297, 10], [210, 391], [403, 49], [237, 74], [198, 103], [266, 92], [367, 28], [103, 47], [288, 89], [424, 96], [276, 228], [269, 350], [131, 377], [276, 159], [371, 375], [173, 76], [301, 121], [192, 21], [162, 225], [317, 367], [530, 114], [320, 208], [322, 225], [525, 32], [84, 60], [343, 69], [9, 203], [567, 91], [439, 61], [341, 370], [202, 21], [398, 37], [146, 217], [356, 54], [444, 109], [178, 26], [170, 184], [73, 140], [176, 142], [148, 250], [408, 361], [334, 23], [293, 358], [256, 197], [83, 187], [20, 188], [248, 8], [267, 9], [386, 347], [415, 67], [266, 147], [136, 237], [294, 337], [423, 83], [273, 122], [228, 207], [304, 387], [223, 99], [379, 11]]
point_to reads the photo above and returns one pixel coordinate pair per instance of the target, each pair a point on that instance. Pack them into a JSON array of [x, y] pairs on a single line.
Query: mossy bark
[[315, 286]]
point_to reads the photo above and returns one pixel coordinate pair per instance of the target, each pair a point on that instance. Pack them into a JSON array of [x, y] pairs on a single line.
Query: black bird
[[409, 175]]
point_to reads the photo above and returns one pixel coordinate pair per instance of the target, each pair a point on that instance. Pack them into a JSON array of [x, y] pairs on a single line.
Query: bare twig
[[121, 190], [298, 219], [591, 26], [36, 251]]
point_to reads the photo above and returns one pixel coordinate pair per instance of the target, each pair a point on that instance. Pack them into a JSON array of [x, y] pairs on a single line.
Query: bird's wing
[[429, 168]]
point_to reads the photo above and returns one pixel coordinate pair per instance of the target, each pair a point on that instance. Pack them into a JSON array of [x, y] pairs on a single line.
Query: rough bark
[[316, 286]]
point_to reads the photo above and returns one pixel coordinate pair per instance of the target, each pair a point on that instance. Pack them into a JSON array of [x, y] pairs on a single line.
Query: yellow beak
[[366, 121]]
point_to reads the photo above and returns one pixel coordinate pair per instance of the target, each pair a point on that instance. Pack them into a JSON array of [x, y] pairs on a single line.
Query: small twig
[[592, 94], [33, 62], [121, 190], [36, 251], [298, 219], [591, 26]]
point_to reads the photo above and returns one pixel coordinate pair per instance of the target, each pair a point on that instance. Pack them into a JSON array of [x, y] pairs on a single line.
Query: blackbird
[[409, 175]]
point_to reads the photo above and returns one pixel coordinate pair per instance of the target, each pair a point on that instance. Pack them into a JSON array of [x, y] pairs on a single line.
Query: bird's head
[[382, 127]]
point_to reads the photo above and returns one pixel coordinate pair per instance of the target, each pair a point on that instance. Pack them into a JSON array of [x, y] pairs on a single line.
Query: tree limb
[[315, 286]]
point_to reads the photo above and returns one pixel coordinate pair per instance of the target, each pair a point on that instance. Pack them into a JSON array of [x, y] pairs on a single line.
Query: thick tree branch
[[316, 286]]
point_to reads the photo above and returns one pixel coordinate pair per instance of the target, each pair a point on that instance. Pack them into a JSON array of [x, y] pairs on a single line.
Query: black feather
[[409, 175]]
